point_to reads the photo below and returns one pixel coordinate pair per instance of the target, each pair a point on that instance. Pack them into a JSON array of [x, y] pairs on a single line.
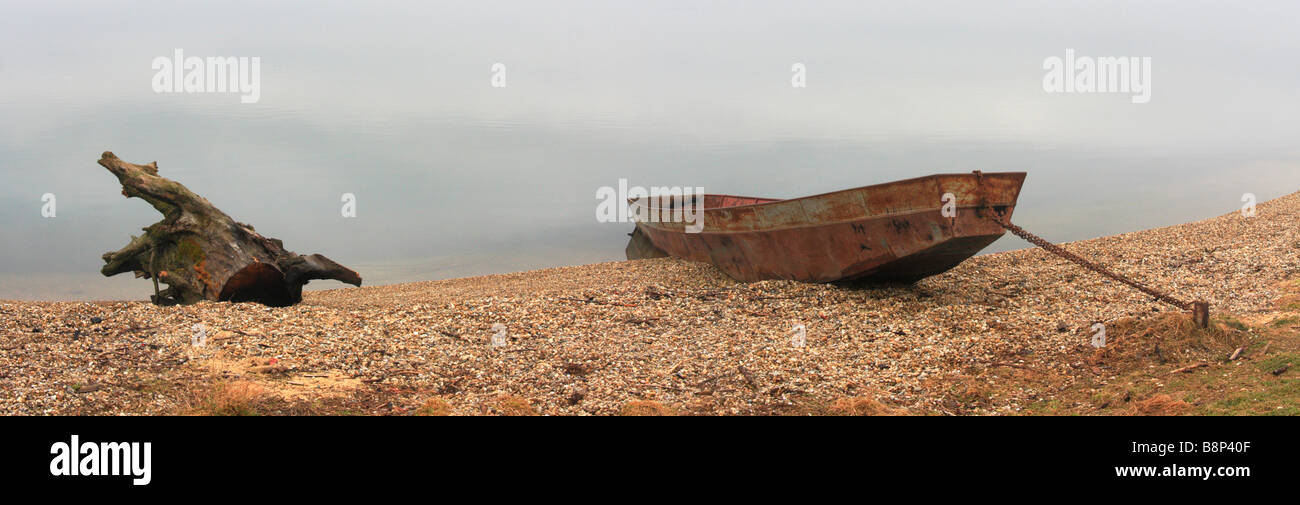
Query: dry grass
[[1289, 303], [434, 407], [1159, 405], [863, 406], [1165, 366], [1168, 338], [644, 408], [510, 405], [237, 398]]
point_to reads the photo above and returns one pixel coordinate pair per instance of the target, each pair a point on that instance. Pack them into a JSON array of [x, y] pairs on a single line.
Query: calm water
[[455, 177]]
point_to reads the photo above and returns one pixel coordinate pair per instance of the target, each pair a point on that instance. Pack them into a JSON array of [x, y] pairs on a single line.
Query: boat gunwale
[[707, 230], [637, 200]]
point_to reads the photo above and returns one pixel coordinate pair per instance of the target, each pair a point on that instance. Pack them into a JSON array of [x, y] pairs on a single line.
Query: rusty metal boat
[[892, 232]]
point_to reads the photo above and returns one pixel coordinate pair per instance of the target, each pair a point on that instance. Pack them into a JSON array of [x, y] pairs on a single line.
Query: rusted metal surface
[[640, 247], [1200, 309], [886, 232]]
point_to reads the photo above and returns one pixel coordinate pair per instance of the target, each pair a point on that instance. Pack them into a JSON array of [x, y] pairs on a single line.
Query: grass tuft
[[1285, 321], [434, 407], [644, 408], [1159, 405], [238, 398], [863, 406], [510, 405], [1169, 338]]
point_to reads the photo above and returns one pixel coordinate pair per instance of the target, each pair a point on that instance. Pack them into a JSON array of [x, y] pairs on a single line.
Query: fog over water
[[393, 103]]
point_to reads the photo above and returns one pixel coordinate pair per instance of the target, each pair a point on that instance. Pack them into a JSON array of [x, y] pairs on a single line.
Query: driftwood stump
[[203, 254]]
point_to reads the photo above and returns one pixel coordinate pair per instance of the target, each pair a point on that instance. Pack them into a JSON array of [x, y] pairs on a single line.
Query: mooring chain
[[1001, 220]]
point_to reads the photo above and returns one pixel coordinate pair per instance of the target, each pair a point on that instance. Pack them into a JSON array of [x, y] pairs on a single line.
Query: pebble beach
[[603, 338]]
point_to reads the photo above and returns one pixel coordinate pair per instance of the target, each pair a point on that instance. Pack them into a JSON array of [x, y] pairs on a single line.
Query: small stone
[[577, 395]]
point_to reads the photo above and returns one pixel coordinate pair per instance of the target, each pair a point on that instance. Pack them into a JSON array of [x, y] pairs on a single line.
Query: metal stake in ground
[[1200, 309]]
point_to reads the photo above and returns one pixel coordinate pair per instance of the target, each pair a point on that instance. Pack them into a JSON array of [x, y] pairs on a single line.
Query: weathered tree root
[[203, 254]]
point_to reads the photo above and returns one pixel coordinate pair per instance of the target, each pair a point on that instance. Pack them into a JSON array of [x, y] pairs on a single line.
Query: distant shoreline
[[378, 273]]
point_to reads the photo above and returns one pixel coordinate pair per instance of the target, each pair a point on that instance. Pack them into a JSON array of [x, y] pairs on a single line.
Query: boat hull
[[893, 232]]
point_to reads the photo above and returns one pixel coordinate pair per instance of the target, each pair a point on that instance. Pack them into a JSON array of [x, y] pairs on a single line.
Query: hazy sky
[[392, 102]]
